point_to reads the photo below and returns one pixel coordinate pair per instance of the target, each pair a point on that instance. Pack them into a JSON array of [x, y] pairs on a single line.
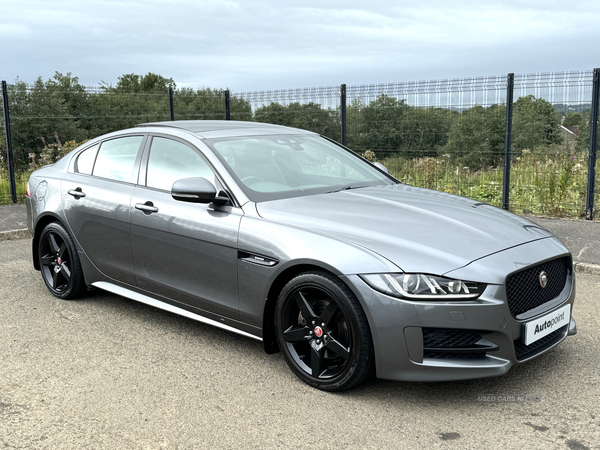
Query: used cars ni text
[[287, 237]]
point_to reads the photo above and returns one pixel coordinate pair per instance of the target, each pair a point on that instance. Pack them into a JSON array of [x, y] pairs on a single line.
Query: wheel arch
[[268, 328], [269, 339]]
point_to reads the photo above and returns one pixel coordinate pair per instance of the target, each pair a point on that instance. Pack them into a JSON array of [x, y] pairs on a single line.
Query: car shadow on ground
[[527, 382]]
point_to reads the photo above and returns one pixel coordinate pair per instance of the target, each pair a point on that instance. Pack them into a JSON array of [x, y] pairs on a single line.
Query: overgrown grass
[[542, 182], [21, 185]]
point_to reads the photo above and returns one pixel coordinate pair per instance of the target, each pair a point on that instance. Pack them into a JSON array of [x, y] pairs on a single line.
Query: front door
[[186, 252]]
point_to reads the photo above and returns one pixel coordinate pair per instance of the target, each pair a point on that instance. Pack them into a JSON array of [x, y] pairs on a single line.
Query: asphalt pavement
[[582, 237], [105, 372]]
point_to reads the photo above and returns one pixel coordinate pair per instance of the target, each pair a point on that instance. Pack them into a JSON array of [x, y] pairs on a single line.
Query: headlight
[[423, 287]]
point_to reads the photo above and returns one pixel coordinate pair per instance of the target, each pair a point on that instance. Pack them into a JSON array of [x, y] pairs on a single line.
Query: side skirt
[[167, 307]]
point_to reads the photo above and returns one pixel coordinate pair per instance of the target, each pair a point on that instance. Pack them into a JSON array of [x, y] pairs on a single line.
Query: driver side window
[[171, 161]]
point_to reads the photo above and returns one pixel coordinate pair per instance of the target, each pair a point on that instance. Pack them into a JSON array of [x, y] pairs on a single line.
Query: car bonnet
[[419, 230]]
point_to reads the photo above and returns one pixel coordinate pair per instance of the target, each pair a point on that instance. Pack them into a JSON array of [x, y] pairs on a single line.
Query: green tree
[[62, 108], [574, 119], [582, 121], [425, 130], [273, 113], [476, 137], [43, 114], [355, 129], [307, 116], [135, 84], [382, 123], [134, 99], [535, 123], [77, 101], [311, 116], [208, 104]]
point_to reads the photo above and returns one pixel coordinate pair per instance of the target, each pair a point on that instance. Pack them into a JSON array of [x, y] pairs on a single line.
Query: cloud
[[268, 44]]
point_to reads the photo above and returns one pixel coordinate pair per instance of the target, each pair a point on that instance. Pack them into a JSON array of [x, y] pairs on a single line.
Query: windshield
[[275, 167]]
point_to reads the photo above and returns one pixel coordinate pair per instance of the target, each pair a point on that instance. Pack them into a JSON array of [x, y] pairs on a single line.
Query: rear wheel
[[323, 332], [59, 263]]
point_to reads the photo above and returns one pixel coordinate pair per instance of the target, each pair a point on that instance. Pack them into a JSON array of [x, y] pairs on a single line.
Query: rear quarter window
[[85, 160]]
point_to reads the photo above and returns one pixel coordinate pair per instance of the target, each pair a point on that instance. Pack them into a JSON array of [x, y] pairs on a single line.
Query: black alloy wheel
[[59, 263], [323, 332]]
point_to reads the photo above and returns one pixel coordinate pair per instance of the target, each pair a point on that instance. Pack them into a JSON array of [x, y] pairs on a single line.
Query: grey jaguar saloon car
[[287, 237]]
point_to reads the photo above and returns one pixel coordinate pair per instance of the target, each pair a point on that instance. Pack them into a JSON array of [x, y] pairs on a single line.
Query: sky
[[257, 45]]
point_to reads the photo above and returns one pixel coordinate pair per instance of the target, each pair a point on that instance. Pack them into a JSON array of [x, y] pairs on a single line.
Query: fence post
[[171, 108], [227, 106], [343, 111], [510, 87], [589, 204], [9, 150]]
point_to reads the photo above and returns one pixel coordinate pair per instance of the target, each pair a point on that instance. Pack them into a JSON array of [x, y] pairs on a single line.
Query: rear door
[[186, 252], [96, 197]]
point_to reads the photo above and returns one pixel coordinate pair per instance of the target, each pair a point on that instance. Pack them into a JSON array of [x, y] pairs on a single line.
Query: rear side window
[[85, 160], [116, 158]]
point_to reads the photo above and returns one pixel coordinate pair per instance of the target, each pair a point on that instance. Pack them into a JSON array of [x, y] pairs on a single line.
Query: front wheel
[[59, 263], [323, 332]]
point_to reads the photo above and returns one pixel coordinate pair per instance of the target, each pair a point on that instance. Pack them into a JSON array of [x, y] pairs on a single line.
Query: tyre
[[323, 332], [59, 263]]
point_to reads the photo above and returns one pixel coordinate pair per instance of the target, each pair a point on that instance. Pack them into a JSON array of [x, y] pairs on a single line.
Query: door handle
[[147, 208], [77, 193]]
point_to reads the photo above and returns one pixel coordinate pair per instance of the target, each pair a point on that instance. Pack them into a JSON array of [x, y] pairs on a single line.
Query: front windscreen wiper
[[346, 188]]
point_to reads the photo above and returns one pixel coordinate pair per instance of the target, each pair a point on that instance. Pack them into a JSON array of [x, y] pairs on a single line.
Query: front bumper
[[444, 341]]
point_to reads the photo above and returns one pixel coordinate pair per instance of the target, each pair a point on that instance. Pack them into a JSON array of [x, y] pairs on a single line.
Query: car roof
[[215, 128]]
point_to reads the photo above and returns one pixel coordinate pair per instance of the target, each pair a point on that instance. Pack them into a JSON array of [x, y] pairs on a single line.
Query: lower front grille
[[439, 337], [523, 351], [457, 355], [443, 343]]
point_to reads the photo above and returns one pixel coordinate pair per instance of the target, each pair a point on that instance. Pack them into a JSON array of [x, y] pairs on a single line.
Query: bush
[[51, 153]]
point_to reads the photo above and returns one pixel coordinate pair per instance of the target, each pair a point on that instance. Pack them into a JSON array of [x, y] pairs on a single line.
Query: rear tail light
[[28, 192]]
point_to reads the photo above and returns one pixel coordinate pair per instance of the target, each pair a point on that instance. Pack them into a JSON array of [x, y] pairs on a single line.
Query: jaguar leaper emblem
[[543, 279]]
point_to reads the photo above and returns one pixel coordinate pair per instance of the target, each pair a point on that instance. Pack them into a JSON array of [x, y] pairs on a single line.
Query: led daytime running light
[[423, 287]]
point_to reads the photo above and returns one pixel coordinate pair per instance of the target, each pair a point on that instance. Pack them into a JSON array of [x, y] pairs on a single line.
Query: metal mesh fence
[[206, 105], [442, 134], [48, 120], [450, 135], [454, 93], [327, 97], [430, 133], [314, 109], [549, 168]]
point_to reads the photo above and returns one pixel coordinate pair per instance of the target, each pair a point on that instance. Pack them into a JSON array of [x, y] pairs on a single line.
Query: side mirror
[[381, 167], [196, 190]]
